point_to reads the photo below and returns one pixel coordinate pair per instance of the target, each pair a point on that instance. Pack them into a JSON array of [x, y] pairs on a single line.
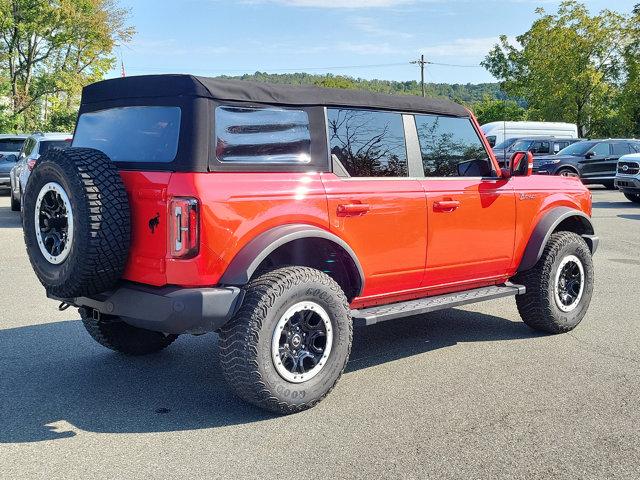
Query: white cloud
[[367, 48], [463, 47], [372, 27]]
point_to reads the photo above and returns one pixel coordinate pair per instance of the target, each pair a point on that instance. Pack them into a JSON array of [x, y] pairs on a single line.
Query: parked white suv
[[34, 146], [628, 176]]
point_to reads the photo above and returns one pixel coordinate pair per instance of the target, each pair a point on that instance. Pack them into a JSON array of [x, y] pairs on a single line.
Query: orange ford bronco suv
[[280, 216]]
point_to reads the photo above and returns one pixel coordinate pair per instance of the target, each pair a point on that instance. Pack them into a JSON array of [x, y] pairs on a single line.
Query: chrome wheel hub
[[569, 283], [302, 342], [54, 223]]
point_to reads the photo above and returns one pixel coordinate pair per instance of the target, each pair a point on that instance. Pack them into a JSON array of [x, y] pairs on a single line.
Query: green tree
[[492, 110], [629, 101], [331, 81], [50, 49], [568, 64]]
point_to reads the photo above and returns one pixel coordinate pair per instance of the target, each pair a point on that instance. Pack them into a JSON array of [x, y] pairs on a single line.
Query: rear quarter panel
[[235, 208]]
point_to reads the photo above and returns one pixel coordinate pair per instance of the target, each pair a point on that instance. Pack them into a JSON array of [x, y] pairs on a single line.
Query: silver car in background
[[34, 147], [628, 176], [10, 146]]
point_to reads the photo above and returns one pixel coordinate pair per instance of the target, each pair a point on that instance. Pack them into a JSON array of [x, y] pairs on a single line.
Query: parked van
[[497, 132]]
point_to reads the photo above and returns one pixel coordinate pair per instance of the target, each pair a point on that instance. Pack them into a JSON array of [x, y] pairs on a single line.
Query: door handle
[[446, 205], [352, 209]]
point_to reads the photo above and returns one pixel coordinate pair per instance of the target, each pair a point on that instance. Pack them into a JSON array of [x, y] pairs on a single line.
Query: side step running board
[[382, 313]]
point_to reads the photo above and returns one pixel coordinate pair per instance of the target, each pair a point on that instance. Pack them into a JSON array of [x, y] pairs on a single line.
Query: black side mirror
[[589, 155]]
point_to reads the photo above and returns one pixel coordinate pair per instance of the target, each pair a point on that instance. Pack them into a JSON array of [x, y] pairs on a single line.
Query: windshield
[[506, 144], [521, 145], [11, 144], [577, 149]]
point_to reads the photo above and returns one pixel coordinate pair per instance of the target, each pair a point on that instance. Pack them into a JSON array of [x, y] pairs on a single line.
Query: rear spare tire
[[76, 222]]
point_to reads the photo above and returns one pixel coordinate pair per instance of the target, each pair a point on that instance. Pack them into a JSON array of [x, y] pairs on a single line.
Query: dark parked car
[[594, 161], [536, 145]]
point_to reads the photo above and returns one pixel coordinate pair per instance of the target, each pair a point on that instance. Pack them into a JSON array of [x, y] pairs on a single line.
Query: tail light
[[184, 227], [31, 163]]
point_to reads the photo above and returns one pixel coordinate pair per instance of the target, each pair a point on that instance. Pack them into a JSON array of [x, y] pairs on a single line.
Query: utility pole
[[422, 62]]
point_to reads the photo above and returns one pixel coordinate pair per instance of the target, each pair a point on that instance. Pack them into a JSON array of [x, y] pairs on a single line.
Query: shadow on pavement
[[9, 219], [630, 217], [610, 205], [55, 380]]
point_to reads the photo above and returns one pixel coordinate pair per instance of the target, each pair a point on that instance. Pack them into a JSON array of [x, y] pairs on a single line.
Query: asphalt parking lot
[[466, 393]]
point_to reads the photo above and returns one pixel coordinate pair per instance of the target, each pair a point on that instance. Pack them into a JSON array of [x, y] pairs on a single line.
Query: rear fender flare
[[546, 226], [249, 258]]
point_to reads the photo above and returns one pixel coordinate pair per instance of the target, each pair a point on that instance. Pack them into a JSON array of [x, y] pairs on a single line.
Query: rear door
[[374, 205], [471, 211], [618, 149]]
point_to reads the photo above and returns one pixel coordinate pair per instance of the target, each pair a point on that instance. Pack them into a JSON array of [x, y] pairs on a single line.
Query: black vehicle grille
[[628, 168]]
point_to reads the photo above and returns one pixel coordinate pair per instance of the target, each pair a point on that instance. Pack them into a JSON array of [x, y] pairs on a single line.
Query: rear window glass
[[131, 134], [262, 135], [47, 144], [11, 145]]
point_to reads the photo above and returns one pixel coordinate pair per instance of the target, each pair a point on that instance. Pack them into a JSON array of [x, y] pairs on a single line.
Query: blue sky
[[214, 37]]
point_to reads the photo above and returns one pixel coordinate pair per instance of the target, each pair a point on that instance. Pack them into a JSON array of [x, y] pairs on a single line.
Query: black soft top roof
[[148, 86]]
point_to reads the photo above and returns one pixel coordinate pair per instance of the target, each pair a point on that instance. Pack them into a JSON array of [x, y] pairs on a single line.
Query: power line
[[299, 69], [454, 65]]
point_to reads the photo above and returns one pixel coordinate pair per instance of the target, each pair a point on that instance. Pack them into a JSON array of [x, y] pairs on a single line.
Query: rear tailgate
[[147, 193]]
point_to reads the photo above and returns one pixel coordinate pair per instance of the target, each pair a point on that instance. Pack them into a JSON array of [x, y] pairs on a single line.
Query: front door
[[471, 211], [598, 161]]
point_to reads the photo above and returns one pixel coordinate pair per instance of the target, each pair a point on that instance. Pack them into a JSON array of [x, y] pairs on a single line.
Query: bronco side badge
[[154, 222]]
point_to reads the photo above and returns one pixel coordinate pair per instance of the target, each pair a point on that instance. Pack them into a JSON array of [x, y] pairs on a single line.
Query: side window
[[268, 135], [541, 147], [451, 148], [368, 143], [601, 150], [620, 149], [27, 148]]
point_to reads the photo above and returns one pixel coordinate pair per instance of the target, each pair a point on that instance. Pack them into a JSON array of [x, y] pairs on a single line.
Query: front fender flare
[[546, 226], [246, 262]]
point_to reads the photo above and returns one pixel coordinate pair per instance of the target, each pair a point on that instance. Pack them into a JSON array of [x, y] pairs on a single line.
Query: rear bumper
[[166, 309]]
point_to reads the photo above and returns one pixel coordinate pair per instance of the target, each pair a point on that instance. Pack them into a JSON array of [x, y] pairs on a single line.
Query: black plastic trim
[[245, 263], [172, 310], [543, 231]]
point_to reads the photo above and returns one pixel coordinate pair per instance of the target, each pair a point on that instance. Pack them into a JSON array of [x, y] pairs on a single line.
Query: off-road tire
[[101, 222], [245, 341], [15, 203], [537, 306], [634, 197], [116, 335]]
